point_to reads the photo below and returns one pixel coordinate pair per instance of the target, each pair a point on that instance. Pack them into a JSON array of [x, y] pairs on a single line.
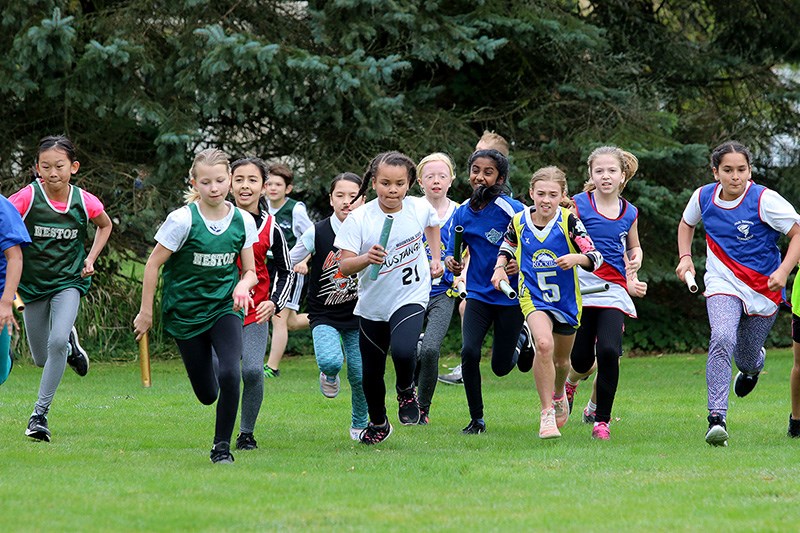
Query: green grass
[[124, 458]]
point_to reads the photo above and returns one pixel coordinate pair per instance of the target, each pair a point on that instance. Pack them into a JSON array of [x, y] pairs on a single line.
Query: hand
[[142, 323], [453, 266], [512, 267], [241, 298], [7, 319], [376, 254], [684, 265], [777, 280], [637, 288], [88, 268], [437, 270], [264, 311], [301, 268], [568, 261], [499, 275]]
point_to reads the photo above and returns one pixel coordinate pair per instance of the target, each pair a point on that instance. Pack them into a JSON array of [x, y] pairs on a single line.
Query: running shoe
[[476, 426], [77, 358], [525, 350], [328, 388], [424, 419], [270, 372], [221, 453], [355, 433], [744, 384], [588, 416], [375, 434], [600, 431], [246, 441], [548, 429], [717, 434], [562, 410], [570, 390], [453, 378], [37, 428], [408, 410], [794, 428]]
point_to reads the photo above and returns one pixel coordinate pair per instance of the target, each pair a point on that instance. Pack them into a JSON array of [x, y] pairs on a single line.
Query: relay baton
[[144, 360], [19, 305], [507, 290], [688, 277], [458, 243], [387, 227], [594, 289], [461, 289]]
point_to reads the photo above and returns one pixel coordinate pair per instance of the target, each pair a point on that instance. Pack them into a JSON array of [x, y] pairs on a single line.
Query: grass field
[[124, 458]]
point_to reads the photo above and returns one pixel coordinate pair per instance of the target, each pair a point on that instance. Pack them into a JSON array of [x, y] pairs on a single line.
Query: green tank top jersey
[[200, 277], [796, 296], [54, 260], [283, 217]]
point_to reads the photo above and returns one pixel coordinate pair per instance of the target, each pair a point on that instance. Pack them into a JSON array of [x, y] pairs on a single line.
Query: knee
[[502, 368], [207, 397], [544, 347], [722, 341], [252, 376], [470, 356]]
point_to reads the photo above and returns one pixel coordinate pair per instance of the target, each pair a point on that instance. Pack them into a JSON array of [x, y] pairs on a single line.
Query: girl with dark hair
[[331, 300], [56, 268], [745, 277], [485, 218], [269, 295], [391, 307]]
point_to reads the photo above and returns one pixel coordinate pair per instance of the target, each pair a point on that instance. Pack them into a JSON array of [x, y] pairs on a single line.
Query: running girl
[[13, 237], [548, 243], [436, 174], [331, 301], [198, 245], [249, 177], [612, 222], [745, 277], [391, 308], [56, 268], [485, 217]]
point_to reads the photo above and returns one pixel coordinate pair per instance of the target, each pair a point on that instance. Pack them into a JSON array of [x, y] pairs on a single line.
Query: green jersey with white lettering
[[199, 278]]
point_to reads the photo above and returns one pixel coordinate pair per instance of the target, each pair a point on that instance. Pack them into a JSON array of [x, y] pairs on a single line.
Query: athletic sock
[[591, 406], [573, 383]]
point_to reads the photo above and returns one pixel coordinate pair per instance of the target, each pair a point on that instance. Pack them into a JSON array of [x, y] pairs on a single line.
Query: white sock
[[591, 406]]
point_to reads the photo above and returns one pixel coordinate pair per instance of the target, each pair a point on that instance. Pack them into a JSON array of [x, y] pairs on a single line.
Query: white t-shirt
[[404, 276], [173, 232]]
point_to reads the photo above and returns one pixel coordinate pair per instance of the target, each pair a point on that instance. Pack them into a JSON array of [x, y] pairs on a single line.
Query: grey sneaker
[[329, 389], [37, 428], [453, 378]]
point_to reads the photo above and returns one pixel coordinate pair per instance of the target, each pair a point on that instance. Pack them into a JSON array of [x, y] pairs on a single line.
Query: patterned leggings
[[737, 335]]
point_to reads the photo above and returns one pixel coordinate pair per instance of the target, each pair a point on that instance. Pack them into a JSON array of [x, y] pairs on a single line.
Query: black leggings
[[400, 333], [208, 382], [600, 335], [478, 317]]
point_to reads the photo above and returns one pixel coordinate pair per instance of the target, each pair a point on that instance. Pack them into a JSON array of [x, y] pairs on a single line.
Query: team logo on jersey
[[493, 236], [743, 227], [623, 241], [544, 259]]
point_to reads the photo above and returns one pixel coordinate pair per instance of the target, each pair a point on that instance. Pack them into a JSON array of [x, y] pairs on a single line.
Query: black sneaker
[[270, 372], [424, 420], [744, 384], [37, 428], [77, 359], [717, 434], [525, 351], [475, 427], [375, 434], [246, 441], [221, 453], [794, 428], [408, 411]]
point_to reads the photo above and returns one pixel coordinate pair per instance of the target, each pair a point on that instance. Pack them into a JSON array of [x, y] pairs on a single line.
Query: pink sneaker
[[570, 389], [562, 410], [600, 431], [547, 425]]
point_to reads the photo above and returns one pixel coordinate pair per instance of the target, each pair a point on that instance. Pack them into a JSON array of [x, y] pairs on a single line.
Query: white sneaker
[[355, 433], [329, 389], [453, 378]]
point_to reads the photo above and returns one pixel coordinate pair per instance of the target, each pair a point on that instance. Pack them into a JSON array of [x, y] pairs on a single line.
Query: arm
[[685, 235], [103, 223], [352, 264], [301, 267], [506, 254], [589, 258], [144, 320], [777, 280], [434, 237], [283, 284], [13, 256], [633, 256], [241, 293]]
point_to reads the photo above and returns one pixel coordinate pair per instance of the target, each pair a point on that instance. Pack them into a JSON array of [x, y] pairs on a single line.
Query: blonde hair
[[628, 163], [436, 156], [494, 141], [209, 157], [554, 174]]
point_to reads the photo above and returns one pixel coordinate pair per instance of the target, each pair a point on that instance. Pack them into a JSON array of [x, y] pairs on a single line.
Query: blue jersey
[[442, 284], [483, 234], [542, 281], [13, 233]]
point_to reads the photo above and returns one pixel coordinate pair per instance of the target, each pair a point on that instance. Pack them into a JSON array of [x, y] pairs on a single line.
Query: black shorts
[[795, 328]]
